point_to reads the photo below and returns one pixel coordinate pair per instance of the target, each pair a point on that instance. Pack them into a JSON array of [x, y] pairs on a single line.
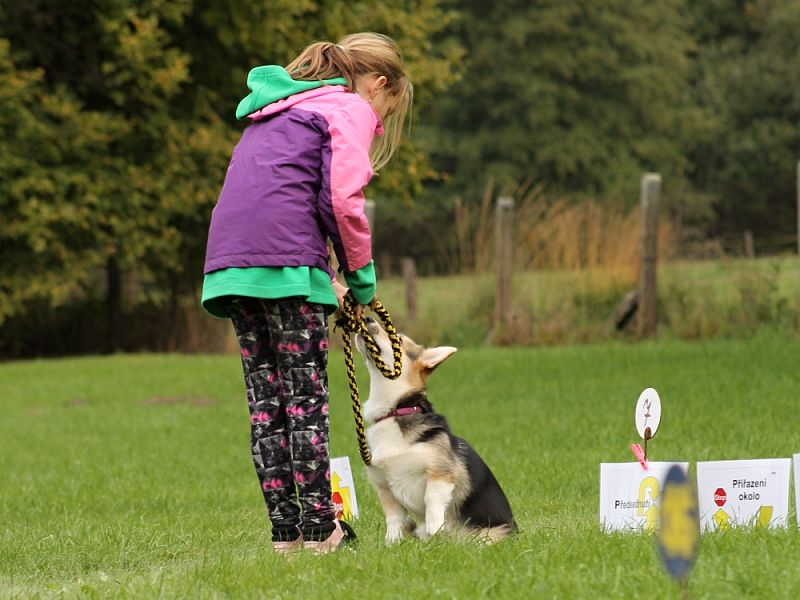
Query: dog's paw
[[422, 532], [426, 531], [395, 532]]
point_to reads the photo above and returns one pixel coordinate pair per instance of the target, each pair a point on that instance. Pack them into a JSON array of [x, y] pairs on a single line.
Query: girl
[[295, 179]]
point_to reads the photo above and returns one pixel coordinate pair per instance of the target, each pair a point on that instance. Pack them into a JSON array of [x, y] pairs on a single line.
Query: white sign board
[[343, 489], [648, 413], [797, 487], [743, 492], [630, 496]]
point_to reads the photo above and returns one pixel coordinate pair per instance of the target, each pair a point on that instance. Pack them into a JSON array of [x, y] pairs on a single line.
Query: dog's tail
[[490, 535]]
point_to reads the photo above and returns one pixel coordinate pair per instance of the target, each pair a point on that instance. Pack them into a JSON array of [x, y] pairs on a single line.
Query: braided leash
[[349, 325]]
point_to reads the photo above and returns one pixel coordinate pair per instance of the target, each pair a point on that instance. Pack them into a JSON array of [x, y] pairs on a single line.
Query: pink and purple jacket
[[296, 177]]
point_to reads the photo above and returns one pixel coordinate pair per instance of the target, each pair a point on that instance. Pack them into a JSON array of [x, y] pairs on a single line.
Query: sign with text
[[797, 487], [343, 489], [743, 492], [630, 496]]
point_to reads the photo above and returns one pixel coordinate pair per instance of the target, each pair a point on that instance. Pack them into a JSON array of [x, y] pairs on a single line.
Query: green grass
[[725, 298], [130, 476]]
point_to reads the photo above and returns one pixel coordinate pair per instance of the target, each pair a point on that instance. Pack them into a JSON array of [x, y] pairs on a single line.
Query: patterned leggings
[[284, 347]]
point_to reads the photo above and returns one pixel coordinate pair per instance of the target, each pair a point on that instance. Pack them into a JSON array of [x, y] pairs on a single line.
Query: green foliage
[[728, 299], [748, 81], [118, 121], [53, 230], [95, 170], [583, 96]]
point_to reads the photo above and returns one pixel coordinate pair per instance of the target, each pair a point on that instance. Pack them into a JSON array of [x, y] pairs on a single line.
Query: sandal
[[288, 546], [341, 535]]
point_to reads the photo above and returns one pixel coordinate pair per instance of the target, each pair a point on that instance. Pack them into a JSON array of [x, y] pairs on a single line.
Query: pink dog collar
[[401, 412]]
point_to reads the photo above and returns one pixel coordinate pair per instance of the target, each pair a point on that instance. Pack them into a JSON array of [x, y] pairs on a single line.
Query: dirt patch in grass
[[41, 411], [76, 402], [172, 400]]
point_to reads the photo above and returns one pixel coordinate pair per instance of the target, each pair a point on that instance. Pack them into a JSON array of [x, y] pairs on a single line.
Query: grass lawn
[[130, 476], [696, 300]]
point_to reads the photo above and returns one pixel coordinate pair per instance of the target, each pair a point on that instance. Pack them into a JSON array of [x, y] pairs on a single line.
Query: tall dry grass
[[588, 254], [554, 234]]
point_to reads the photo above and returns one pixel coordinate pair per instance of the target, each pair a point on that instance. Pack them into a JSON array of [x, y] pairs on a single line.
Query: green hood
[[271, 83]]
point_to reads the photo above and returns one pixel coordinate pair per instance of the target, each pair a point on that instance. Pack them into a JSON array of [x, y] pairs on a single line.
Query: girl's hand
[[339, 290], [359, 311]]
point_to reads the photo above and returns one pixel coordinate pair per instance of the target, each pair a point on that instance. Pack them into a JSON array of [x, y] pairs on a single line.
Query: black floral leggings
[[284, 348]]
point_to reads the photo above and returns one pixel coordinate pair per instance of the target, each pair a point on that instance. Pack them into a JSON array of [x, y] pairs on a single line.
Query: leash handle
[[347, 321], [361, 435], [349, 325]]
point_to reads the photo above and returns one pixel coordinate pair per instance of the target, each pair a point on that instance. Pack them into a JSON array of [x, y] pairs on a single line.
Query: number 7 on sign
[[648, 414]]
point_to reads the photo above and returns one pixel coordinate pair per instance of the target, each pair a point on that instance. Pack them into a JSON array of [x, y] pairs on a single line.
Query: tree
[[748, 81], [115, 63], [51, 232], [581, 96], [120, 122]]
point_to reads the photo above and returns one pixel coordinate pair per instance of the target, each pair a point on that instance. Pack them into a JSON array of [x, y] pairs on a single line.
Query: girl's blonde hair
[[354, 56]]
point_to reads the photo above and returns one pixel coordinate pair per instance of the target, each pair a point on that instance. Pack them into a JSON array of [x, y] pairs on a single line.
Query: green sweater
[[282, 282]]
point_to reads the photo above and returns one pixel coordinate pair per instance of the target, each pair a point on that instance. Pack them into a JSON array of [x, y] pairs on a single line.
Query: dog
[[420, 470]]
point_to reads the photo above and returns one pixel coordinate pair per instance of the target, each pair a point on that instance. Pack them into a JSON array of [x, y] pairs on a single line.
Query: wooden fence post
[[409, 267], [113, 305], [504, 244], [649, 195], [749, 250], [385, 265]]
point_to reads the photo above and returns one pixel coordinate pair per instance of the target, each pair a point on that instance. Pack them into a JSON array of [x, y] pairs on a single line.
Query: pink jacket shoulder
[[352, 125]]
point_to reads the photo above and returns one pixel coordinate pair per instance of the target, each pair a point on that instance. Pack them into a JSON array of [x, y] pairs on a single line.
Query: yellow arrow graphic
[[764, 516], [721, 519]]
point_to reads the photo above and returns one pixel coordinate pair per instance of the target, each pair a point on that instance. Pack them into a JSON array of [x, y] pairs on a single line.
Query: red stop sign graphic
[[338, 505], [720, 497]]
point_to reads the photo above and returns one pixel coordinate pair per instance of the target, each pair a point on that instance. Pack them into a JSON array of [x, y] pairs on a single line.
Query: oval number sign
[[648, 413]]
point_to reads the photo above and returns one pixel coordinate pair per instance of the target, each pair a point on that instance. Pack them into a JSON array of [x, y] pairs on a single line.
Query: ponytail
[[356, 55], [323, 60], [378, 54]]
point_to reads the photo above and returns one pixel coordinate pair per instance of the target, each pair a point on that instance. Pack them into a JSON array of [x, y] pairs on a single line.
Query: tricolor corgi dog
[[420, 470]]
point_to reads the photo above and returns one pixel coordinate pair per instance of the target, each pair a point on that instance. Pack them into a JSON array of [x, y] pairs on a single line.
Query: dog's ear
[[433, 357]]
